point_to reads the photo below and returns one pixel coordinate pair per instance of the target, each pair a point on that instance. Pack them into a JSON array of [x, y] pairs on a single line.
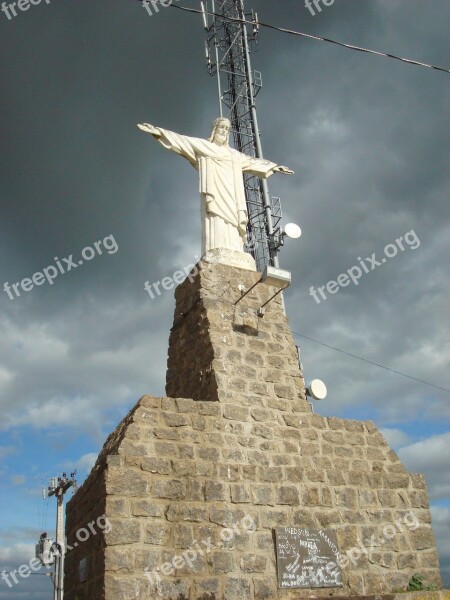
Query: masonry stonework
[[194, 484], [220, 350]]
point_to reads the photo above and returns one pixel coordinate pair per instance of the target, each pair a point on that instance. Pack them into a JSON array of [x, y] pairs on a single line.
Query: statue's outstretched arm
[[261, 167], [175, 142], [154, 131]]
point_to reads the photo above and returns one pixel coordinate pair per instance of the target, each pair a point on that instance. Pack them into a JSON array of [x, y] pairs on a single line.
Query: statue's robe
[[224, 210]]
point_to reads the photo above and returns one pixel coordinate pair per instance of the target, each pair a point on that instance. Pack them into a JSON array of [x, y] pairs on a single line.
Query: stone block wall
[[193, 485], [220, 350], [183, 471]]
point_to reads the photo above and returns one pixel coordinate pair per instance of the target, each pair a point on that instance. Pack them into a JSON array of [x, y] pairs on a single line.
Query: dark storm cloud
[[363, 133]]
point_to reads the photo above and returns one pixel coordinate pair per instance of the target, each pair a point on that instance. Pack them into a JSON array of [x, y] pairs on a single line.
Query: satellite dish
[[317, 389], [292, 230]]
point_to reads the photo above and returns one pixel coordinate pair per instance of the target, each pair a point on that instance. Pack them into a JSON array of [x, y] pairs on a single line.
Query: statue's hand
[[150, 129], [242, 231], [284, 170], [242, 227]]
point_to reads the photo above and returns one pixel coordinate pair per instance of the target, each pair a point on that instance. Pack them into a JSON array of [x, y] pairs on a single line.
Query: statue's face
[[222, 132]]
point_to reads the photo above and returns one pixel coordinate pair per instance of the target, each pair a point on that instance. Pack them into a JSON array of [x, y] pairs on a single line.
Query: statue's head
[[220, 132]]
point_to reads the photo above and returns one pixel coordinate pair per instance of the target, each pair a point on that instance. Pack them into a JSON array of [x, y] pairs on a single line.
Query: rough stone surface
[[184, 497], [220, 350]]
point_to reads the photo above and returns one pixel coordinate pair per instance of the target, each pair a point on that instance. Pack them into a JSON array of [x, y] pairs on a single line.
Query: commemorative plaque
[[307, 558]]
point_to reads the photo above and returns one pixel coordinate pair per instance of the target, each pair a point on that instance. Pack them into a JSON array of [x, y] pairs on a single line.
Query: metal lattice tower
[[228, 57]]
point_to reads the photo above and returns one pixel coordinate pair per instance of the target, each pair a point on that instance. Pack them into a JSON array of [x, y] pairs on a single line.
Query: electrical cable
[[370, 362], [311, 37]]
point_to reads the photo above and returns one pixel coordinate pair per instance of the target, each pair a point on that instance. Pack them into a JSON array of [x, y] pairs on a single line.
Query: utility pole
[[227, 49], [58, 487]]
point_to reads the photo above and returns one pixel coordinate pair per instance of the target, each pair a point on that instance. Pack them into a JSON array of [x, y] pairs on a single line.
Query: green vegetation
[[416, 584]]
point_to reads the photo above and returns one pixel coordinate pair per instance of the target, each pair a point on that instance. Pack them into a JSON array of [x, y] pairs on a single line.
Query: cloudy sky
[[368, 139]]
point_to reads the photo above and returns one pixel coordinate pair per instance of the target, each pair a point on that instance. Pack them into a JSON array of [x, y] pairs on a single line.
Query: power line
[[316, 37], [371, 362]]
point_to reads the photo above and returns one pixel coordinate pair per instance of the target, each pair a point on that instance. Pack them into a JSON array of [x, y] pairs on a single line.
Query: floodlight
[[277, 278]]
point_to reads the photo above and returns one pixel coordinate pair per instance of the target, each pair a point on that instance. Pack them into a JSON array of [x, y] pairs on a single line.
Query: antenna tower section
[[227, 49]]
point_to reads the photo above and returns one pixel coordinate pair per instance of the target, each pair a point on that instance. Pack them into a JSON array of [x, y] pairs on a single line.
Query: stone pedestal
[[219, 349], [193, 485], [231, 258]]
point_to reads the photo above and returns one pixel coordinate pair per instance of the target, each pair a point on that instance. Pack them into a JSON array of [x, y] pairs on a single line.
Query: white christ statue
[[223, 207]]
